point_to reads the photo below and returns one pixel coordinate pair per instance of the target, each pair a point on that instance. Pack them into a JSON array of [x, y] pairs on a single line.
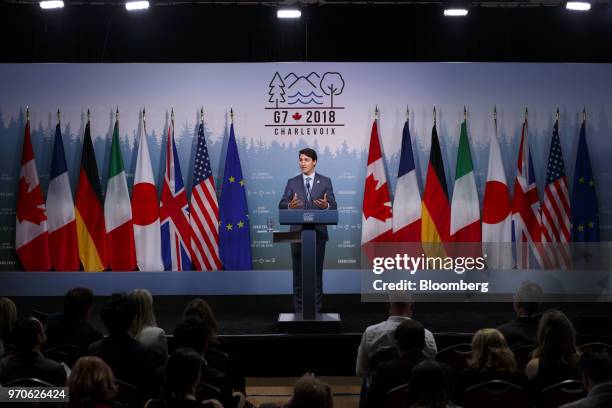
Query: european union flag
[[585, 217], [234, 230]]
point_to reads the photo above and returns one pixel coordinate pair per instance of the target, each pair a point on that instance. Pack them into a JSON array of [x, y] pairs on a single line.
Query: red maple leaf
[[297, 116], [374, 200], [28, 202]]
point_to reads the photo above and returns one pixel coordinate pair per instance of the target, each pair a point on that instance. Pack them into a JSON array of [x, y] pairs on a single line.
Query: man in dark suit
[[130, 360], [28, 362], [596, 369], [523, 328], [72, 327], [309, 190]]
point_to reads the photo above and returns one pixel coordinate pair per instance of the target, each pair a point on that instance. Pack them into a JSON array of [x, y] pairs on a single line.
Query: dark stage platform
[[248, 328]]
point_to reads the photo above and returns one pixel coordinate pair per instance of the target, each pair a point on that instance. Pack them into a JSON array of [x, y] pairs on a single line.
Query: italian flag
[[118, 212], [465, 209]]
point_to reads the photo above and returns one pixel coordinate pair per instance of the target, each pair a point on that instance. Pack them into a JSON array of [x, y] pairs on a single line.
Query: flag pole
[[232, 115], [557, 116], [526, 113], [495, 118], [58, 116], [376, 113], [144, 121], [88, 115], [117, 115], [434, 116], [27, 113], [584, 114], [202, 116], [464, 114], [407, 113]]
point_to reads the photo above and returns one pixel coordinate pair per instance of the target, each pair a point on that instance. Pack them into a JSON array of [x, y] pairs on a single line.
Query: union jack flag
[[204, 211], [526, 223], [174, 213]]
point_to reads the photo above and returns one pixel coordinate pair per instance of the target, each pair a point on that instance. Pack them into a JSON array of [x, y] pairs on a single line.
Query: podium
[[308, 320]]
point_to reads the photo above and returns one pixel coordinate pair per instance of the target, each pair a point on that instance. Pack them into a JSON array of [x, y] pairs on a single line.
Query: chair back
[[561, 393], [495, 393], [595, 346], [28, 382], [65, 353], [382, 357], [522, 355], [398, 397], [456, 357], [127, 393], [205, 391]]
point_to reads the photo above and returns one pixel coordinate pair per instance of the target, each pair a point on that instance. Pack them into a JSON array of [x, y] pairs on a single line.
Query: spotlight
[[51, 4], [288, 13], [455, 12], [136, 5], [578, 5]]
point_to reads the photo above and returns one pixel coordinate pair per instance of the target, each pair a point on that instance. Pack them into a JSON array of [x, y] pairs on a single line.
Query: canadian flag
[[377, 216], [31, 234]]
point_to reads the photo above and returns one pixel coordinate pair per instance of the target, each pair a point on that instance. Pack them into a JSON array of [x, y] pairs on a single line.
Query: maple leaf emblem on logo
[[374, 200], [29, 202], [297, 116]]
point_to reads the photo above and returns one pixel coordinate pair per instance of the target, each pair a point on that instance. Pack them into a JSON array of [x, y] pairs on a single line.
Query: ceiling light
[[455, 12], [136, 5], [578, 5], [51, 4], [288, 13]]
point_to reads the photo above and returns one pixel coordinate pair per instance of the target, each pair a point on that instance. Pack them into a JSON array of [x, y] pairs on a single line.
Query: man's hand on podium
[[322, 202], [295, 202]]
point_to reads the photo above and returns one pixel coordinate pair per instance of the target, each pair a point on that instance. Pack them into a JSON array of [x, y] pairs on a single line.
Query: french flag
[[60, 210], [407, 201]]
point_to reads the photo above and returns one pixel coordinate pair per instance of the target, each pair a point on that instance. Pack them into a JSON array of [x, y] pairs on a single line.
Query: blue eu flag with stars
[[585, 217], [234, 230]]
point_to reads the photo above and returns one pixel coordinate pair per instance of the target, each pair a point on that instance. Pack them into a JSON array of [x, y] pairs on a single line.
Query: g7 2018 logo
[[304, 105]]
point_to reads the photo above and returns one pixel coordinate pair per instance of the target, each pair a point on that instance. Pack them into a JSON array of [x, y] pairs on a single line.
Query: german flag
[[89, 210], [435, 223]]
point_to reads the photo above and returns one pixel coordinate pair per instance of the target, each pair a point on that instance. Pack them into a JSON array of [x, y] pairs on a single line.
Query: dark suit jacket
[[321, 185], [130, 361], [31, 364], [63, 330], [520, 330], [600, 396]]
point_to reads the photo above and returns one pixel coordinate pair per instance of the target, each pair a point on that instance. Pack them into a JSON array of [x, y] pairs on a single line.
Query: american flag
[[174, 213], [204, 211], [526, 223], [555, 206]]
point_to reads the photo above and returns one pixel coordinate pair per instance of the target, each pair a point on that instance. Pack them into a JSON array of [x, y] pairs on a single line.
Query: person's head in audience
[[310, 392], [410, 338], [527, 299], [193, 333], [490, 352], [91, 382], [118, 314], [595, 368], [556, 339], [145, 316], [429, 385], [78, 303], [8, 317], [28, 334], [183, 371], [198, 307], [398, 308]]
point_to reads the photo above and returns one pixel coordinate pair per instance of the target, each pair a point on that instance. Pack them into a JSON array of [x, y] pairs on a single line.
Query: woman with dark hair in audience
[[198, 307], [144, 328], [430, 386], [8, 317], [491, 359], [182, 377], [555, 358], [92, 384]]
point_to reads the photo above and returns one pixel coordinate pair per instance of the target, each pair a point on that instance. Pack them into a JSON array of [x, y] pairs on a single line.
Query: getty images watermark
[[473, 272]]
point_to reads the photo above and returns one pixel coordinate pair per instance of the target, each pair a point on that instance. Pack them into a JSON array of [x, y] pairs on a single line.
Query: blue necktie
[[307, 192]]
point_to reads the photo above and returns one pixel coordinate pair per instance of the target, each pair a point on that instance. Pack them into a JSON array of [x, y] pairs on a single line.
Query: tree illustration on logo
[[332, 84], [277, 90]]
